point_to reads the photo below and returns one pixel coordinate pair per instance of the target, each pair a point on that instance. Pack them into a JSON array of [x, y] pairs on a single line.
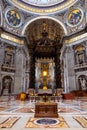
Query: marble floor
[[19, 112]]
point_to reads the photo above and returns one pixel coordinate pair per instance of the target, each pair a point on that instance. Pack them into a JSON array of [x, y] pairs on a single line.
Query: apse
[[44, 43]]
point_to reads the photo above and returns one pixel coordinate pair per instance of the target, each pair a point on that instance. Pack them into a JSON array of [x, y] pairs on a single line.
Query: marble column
[[57, 69], [32, 70]]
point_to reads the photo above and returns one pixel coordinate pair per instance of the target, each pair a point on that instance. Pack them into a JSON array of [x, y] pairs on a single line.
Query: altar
[[46, 109], [42, 92], [45, 94]]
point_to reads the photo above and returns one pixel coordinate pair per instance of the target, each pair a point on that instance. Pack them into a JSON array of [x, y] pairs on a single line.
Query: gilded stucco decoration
[[35, 29], [79, 48], [43, 6]]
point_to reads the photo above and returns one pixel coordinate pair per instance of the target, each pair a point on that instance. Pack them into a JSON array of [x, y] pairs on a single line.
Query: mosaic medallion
[[13, 17], [75, 17], [46, 121]]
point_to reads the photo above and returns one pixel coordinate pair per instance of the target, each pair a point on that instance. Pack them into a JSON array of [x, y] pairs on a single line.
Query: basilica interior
[[43, 62]]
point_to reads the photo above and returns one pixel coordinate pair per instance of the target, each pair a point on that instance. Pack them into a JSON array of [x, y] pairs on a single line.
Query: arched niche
[[6, 85]]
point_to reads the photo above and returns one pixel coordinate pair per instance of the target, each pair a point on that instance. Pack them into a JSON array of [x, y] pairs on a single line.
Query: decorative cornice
[[11, 38], [44, 10], [78, 36]]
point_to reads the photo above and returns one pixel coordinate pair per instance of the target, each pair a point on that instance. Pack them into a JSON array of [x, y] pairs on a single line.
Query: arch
[[46, 17], [60, 24]]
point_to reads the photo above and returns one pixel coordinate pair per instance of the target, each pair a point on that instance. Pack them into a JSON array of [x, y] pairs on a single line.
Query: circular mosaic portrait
[[13, 17], [75, 16]]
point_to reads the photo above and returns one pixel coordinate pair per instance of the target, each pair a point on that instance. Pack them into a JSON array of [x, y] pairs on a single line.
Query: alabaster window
[[44, 73]]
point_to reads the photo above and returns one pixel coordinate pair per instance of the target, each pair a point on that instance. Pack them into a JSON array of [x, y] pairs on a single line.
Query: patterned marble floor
[[15, 114]]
